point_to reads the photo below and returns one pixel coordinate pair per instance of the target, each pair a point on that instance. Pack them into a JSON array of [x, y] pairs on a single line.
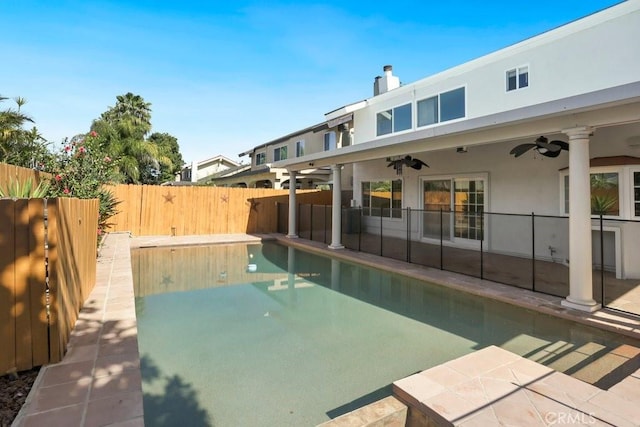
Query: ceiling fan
[[542, 146], [407, 160]]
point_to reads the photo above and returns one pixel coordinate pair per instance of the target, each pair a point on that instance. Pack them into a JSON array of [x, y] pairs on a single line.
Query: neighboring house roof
[[218, 159], [315, 128]]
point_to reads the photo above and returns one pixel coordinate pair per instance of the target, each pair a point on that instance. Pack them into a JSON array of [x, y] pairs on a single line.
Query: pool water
[[267, 335]]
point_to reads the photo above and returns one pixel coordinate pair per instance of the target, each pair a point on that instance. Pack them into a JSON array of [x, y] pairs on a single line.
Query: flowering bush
[[80, 169]]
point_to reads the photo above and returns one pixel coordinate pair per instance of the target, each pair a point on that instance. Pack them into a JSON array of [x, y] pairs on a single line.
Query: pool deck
[[98, 382]]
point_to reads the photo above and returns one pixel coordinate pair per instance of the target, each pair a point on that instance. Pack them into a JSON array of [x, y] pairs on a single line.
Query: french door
[[453, 208]]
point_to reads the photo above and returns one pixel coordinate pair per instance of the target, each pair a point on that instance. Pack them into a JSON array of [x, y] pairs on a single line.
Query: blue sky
[[224, 77]]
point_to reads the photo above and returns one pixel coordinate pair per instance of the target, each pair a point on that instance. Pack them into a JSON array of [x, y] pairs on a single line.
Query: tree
[[19, 146], [122, 130], [132, 114], [169, 150]]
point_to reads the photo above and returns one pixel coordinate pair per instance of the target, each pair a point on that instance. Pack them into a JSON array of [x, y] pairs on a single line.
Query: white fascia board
[[347, 109]]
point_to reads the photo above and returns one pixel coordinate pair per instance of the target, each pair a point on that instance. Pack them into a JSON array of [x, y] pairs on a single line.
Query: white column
[[580, 267], [336, 208], [292, 205]]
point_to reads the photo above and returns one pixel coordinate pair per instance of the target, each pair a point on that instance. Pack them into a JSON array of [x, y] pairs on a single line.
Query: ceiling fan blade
[[417, 164], [547, 146], [563, 145], [551, 153], [521, 149]]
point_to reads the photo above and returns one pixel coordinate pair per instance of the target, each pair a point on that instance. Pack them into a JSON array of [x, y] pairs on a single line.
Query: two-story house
[[549, 126]]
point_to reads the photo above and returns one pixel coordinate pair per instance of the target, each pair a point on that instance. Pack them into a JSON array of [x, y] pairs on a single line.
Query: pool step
[[387, 412], [493, 386]]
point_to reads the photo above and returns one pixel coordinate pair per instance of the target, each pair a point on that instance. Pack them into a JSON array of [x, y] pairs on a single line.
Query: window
[[280, 153], [261, 158], [300, 148], [605, 194], [394, 120], [329, 141], [382, 198], [517, 78], [636, 193], [441, 108]]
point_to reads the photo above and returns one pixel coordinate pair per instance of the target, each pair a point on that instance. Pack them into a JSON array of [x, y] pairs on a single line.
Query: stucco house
[[549, 126], [319, 138], [201, 171]]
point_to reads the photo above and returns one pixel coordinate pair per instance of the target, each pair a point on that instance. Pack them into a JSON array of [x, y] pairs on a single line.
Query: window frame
[[519, 71], [438, 97], [279, 149], [392, 113], [623, 177], [261, 155], [454, 240], [366, 207], [300, 148], [327, 145], [633, 169]]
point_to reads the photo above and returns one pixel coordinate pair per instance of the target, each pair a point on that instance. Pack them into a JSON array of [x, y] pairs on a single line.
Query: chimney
[[387, 82]]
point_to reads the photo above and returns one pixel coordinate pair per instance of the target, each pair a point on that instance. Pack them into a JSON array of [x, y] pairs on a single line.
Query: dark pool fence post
[[602, 259], [360, 228], [408, 234], [325, 223], [381, 213], [441, 241], [482, 246], [311, 222], [533, 252], [298, 219]]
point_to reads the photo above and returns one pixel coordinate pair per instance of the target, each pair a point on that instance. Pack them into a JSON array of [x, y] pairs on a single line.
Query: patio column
[[336, 208], [292, 205], [580, 269]]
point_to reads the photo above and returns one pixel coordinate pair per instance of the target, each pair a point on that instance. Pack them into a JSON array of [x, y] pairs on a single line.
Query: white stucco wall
[[530, 183], [591, 54]]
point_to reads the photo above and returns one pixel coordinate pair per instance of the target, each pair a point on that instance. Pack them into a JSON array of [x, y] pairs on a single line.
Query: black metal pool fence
[[528, 251]]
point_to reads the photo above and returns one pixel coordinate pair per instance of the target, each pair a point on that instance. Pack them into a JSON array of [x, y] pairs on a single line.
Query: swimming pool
[[264, 334]]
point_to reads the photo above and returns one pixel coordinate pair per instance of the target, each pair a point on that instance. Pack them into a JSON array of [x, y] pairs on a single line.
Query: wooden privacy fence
[[166, 210], [47, 269], [11, 173]]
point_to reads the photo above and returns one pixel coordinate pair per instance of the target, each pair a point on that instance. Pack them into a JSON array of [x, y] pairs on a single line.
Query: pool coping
[[98, 382]]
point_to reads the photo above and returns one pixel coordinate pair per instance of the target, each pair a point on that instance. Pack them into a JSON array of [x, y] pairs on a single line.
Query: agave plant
[[24, 190]]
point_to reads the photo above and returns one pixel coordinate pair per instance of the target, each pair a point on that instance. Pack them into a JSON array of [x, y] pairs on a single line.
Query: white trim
[[392, 218], [617, 243], [452, 240], [632, 213]]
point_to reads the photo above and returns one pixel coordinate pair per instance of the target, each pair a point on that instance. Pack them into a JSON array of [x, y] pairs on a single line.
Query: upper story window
[[394, 120], [442, 107], [280, 153], [329, 141], [300, 148], [261, 158], [517, 78]]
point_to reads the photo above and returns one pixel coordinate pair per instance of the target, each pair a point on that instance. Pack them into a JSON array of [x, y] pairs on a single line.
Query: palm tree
[[121, 131], [11, 132], [131, 113]]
